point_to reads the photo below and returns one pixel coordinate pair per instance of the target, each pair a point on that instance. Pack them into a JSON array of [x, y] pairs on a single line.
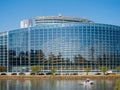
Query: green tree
[[104, 69], [87, 70], [2, 69], [36, 68], [117, 85], [118, 68], [53, 70]]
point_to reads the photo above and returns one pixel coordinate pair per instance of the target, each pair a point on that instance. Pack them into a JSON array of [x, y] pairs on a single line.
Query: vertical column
[[29, 59], [7, 51]]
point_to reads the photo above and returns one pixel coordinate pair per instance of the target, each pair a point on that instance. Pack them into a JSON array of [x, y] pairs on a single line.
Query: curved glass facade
[[48, 20], [66, 47]]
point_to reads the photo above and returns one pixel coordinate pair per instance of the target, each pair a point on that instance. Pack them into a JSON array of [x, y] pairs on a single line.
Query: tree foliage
[[2, 69], [104, 69], [117, 86], [118, 68], [36, 68], [87, 70], [53, 70]]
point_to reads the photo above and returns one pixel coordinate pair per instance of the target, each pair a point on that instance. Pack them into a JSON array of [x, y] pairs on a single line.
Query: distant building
[[65, 43], [26, 23]]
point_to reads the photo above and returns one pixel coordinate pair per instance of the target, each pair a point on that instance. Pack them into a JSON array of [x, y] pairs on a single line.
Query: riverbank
[[59, 77]]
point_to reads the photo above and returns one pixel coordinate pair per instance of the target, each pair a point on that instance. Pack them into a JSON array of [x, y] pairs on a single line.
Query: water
[[55, 85]]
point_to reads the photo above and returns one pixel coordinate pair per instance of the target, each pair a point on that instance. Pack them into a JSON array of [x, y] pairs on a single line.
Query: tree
[[117, 86], [118, 68], [104, 69], [53, 70], [36, 68], [87, 70], [2, 69]]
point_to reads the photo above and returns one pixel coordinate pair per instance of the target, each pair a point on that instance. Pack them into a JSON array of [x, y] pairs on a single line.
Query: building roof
[[59, 19]]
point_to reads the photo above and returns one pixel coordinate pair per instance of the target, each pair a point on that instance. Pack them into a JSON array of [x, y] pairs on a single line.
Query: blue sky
[[100, 11]]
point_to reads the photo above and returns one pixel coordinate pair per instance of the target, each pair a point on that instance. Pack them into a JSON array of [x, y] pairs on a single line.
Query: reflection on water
[[55, 85]]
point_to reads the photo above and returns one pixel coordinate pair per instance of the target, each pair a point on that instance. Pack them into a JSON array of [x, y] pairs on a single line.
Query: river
[[37, 84]]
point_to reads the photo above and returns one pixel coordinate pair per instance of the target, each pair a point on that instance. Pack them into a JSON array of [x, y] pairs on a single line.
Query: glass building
[[65, 43]]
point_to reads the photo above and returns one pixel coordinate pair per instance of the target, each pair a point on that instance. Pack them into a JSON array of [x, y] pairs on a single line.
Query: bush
[[2, 69]]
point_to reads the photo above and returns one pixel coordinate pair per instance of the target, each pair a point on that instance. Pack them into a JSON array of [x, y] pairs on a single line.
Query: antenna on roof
[[59, 14]]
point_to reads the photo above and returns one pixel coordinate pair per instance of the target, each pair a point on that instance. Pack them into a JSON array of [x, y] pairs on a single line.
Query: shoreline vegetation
[[59, 77], [117, 85]]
